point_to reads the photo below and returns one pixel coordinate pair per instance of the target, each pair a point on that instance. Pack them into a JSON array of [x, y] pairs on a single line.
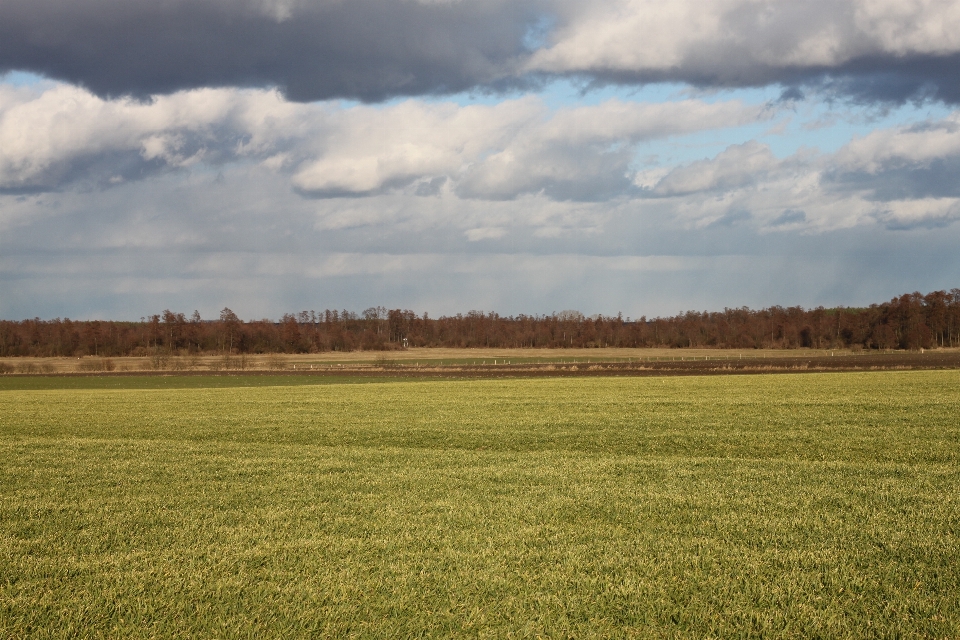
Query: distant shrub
[[159, 360], [384, 361], [27, 367], [276, 361], [5, 368]]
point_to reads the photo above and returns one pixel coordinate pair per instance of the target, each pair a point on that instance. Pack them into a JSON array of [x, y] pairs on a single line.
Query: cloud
[[370, 149], [867, 49], [182, 240], [929, 213], [61, 135], [64, 134], [636, 36], [788, 217], [313, 50], [902, 177], [918, 144], [737, 166], [501, 152], [373, 49], [653, 272], [485, 233], [57, 137], [197, 158], [587, 153]]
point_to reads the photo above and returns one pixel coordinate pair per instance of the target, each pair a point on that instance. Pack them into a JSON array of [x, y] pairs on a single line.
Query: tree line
[[911, 321]]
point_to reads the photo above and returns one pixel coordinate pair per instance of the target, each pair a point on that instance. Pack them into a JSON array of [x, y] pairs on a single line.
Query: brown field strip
[[498, 362]]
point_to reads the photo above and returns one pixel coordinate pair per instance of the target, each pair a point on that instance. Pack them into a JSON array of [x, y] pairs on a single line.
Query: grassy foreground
[[795, 506]]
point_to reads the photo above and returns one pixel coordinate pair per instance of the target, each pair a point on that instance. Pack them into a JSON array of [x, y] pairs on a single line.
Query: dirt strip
[[686, 366], [679, 366]]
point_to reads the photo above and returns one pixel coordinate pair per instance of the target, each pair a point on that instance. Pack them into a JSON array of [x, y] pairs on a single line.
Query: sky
[[642, 157]]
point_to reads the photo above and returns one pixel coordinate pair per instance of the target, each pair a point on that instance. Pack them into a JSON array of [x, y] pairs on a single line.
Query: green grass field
[[817, 505]]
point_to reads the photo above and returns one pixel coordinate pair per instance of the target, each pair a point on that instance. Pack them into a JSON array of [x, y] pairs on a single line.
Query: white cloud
[[51, 137], [517, 149], [741, 40], [908, 145], [502, 151], [54, 134], [587, 153], [737, 166], [369, 148], [864, 182], [922, 212], [64, 134], [903, 27]]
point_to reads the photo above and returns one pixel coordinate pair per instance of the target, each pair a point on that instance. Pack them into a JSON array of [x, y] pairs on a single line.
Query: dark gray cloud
[[863, 80], [888, 79], [365, 49], [376, 49], [936, 179]]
